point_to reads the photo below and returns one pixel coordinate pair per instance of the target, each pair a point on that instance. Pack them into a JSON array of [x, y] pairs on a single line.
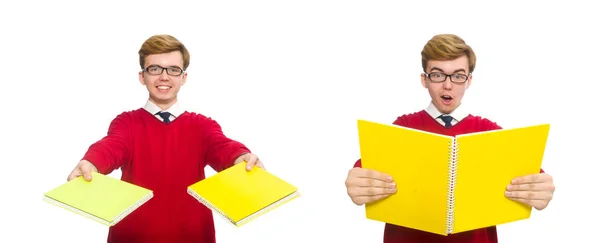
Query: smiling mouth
[[163, 87]]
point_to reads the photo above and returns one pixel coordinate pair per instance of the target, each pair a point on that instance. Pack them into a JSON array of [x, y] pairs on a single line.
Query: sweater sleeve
[[220, 151], [111, 152]]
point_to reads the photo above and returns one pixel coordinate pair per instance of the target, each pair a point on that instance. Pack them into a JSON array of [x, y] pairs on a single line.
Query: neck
[[449, 111], [164, 105]]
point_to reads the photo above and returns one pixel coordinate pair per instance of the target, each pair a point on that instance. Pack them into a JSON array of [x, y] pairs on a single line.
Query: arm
[[358, 163], [220, 152], [113, 150]]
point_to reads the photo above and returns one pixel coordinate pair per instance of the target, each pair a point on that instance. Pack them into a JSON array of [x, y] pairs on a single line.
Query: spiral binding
[[452, 167]]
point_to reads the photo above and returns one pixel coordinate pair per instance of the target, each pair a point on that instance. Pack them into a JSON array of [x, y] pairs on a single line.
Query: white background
[[289, 79]]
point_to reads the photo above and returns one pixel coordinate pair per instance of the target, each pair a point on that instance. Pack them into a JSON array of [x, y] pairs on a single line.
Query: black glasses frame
[[428, 75], [162, 69]]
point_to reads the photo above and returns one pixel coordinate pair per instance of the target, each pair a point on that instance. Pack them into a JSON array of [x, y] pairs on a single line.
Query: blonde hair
[[159, 44], [445, 47]]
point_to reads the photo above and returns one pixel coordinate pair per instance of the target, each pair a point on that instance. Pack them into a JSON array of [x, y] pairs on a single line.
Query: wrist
[[239, 159], [93, 167]]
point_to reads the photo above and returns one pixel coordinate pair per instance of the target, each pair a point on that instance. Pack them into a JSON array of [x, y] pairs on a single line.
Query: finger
[[365, 182], [260, 164], [529, 195], [74, 174], [372, 191], [87, 172], [531, 187], [533, 178], [251, 162], [373, 174]]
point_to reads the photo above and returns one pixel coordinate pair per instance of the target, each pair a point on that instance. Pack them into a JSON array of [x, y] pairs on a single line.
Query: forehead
[[165, 59], [449, 66]]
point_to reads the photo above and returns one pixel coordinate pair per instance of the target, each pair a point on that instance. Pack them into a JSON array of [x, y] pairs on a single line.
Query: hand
[[365, 185], [534, 190], [84, 168], [251, 161]]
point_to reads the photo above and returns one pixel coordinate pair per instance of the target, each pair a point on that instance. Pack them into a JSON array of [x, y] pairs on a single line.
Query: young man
[[164, 148], [448, 63]]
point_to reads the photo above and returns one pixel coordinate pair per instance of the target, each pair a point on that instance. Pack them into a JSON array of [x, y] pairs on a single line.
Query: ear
[[469, 81], [141, 77], [184, 78], [424, 81]]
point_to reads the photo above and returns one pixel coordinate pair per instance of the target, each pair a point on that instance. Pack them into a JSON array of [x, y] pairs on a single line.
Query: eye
[[174, 70], [459, 77]]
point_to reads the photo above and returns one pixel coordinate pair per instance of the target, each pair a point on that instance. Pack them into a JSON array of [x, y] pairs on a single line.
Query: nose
[[164, 75], [447, 84]]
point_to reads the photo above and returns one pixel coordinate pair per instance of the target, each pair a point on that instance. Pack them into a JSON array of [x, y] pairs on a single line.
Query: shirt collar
[[152, 108], [458, 114]]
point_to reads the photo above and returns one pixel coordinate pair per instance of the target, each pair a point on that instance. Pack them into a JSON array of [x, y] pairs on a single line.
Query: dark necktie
[[165, 116], [447, 120]]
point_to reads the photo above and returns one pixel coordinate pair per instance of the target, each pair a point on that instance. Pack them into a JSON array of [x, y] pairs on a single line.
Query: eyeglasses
[[158, 70], [438, 77]]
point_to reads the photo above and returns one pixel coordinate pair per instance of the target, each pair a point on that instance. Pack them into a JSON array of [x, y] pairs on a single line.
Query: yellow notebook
[[445, 184], [104, 199], [240, 196]]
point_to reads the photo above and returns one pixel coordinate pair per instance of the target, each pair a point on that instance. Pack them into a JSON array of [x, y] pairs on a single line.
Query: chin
[[161, 94], [446, 109], [162, 97]]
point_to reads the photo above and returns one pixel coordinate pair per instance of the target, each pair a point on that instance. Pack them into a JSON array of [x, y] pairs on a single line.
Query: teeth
[[163, 87]]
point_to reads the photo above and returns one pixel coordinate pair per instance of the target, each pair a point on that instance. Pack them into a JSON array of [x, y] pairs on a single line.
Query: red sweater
[[165, 158], [423, 121]]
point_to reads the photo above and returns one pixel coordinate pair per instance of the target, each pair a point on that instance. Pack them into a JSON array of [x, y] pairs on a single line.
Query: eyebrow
[[455, 71]]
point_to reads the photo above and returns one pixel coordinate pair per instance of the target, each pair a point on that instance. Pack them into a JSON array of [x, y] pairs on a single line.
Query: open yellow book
[[446, 185], [240, 196], [104, 199]]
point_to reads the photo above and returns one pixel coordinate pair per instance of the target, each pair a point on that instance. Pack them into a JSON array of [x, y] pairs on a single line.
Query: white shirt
[[458, 114], [153, 109]]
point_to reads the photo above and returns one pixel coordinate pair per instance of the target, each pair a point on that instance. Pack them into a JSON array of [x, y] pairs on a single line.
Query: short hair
[[159, 44], [445, 47]]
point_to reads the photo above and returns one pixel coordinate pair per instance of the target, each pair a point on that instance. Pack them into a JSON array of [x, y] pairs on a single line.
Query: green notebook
[[104, 199]]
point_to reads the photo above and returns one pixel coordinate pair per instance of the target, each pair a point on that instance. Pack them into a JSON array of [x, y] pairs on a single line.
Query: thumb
[[86, 171], [251, 162]]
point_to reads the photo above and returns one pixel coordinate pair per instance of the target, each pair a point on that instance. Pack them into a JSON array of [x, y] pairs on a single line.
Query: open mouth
[[446, 99]]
